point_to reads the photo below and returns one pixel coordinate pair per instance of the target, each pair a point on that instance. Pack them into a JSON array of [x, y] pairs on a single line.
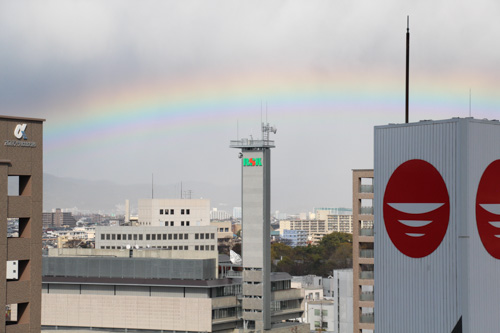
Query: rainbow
[[168, 109]]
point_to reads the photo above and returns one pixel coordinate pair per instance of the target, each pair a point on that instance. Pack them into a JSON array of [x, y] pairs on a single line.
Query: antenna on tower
[[407, 115]]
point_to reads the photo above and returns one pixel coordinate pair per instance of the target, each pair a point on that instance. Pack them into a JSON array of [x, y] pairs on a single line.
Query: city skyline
[[132, 89]]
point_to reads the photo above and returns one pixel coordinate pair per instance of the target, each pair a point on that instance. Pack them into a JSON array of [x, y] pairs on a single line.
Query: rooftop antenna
[[181, 189], [407, 66], [237, 130], [470, 102], [152, 186]]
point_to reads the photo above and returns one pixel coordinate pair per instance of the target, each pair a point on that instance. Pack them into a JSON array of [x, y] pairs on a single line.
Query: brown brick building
[[21, 177]]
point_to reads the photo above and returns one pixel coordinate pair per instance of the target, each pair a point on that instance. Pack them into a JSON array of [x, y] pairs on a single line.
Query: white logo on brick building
[[19, 132]]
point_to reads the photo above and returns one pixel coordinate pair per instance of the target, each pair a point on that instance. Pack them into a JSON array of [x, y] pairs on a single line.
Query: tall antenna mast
[[470, 102], [152, 186], [407, 66]]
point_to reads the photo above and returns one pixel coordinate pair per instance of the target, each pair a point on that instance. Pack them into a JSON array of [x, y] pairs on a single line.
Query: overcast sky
[[130, 88]]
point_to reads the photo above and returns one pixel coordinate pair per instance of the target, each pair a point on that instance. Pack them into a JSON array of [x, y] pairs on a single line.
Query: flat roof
[[21, 118], [140, 282]]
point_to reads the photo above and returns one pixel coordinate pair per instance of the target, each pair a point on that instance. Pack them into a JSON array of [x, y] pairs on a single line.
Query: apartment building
[[363, 254]]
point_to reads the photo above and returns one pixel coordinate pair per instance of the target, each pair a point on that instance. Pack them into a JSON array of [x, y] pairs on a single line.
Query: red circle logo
[[488, 209], [416, 208]]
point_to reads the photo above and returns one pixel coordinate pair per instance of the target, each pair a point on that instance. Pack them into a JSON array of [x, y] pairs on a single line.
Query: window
[[166, 211], [140, 237], [324, 313], [202, 236], [187, 211], [212, 247], [202, 247], [221, 229], [135, 236], [206, 235], [164, 236], [102, 236], [181, 236], [325, 324], [316, 323], [182, 223], [196, 248], [226, 230], [112, 248], [158, 237], [148, 237], [166, 223], [171, 223], [212, 236], [169, 236], [182, 211], [119, 237], [175, 236], [185, 236], [153, 237], [175, 247], [187, 223], [317, 312], [196, 236], [185, 247], [129, 236], [108, 236], [171, 212], [161, 211]]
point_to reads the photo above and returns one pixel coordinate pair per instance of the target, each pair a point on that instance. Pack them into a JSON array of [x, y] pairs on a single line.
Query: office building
[[437, 245], [362, 251], [174, 212], [21, 179], [58, 219], [149, 290], [168, 238]]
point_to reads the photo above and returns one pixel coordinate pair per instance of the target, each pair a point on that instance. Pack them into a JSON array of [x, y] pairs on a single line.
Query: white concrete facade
[[174, 212]]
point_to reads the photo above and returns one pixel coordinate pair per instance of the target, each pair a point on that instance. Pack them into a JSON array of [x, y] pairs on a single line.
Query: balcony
[[366, 296], [366, 210], [367, 318], [366, 232], [366, 188], [366, 254], [367, 275]]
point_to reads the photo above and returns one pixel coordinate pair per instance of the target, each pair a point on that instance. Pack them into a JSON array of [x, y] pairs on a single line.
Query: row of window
[[183, 223], [204, 236], [172, 212], [223, 229], [156, 236], [172, 247]]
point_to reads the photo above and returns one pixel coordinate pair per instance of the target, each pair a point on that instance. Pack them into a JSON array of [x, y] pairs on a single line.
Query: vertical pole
[[407, 66]]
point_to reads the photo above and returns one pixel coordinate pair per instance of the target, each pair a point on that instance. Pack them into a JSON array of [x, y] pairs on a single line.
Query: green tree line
[[334, 251]]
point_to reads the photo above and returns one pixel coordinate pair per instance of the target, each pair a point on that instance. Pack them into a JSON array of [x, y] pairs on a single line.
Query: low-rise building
[[320, 316]]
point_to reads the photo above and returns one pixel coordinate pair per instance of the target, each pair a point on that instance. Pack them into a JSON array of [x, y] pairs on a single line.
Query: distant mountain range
[[108, 197]]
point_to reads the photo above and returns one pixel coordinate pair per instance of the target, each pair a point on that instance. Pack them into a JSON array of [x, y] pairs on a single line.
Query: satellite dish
[[148, 246], [136, 246], [127, 246], [235, 258]]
